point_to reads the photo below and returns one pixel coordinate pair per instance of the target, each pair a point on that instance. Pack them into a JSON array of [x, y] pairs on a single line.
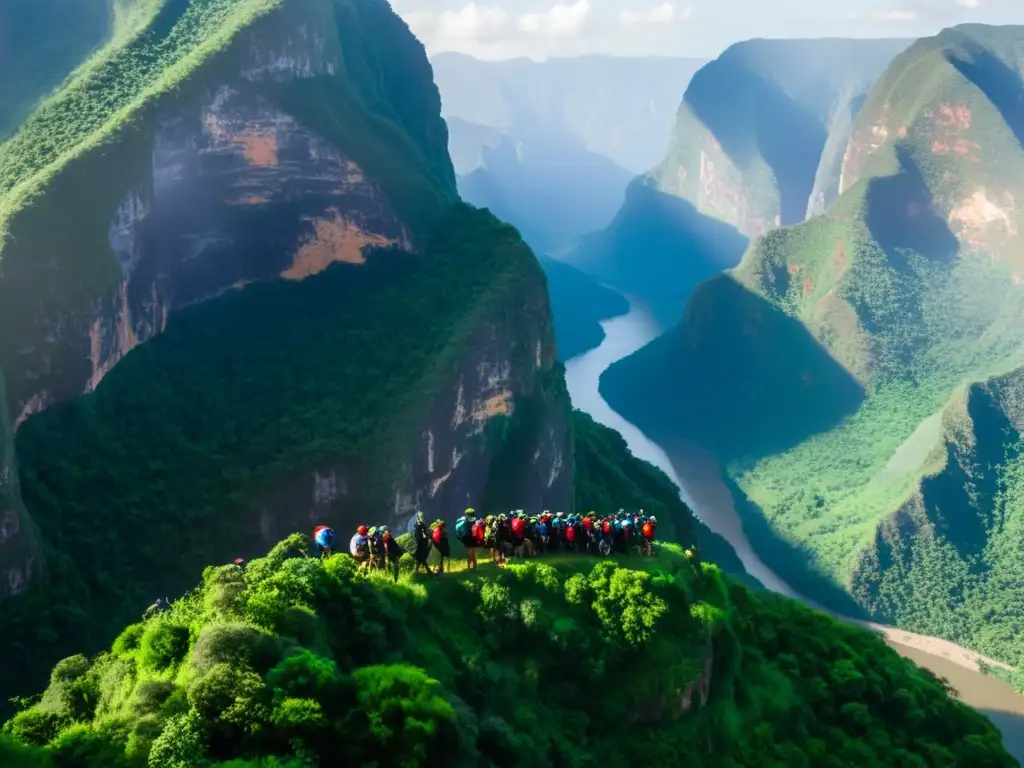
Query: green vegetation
[[41, 42], [234, 399], [758, 141], [840, 360], [297, 662]]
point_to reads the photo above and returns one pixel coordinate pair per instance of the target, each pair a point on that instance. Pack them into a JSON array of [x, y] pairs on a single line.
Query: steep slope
[[877, 432], [619, 108], [311, 663], [579, 305], [42, 41], [239, 296], [757, 143]]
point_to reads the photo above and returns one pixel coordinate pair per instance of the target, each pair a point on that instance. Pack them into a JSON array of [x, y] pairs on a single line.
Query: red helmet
[[362, 530]]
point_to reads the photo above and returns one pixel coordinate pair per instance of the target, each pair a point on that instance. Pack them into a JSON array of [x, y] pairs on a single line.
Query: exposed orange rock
[[250, 200], [334, 239], [260, 149], [497, 405], [126, 340], [954, 116], [808, 286], [940, 147], [977, 213], [38, 402], [793, 268]]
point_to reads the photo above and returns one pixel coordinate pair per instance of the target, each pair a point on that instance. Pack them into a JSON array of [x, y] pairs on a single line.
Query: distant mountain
[[619, 108], [860, 375], [757, 144], [548, 185]]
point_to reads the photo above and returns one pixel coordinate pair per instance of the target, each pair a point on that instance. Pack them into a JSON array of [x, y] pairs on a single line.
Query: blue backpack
[[462, 528]]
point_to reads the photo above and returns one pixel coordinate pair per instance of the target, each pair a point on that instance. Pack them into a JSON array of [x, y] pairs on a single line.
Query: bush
[[403, 716], [236, 645], [180, 745], [164, 643]]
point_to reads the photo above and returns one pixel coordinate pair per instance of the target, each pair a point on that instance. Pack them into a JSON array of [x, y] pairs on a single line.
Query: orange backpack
[[648, 530]]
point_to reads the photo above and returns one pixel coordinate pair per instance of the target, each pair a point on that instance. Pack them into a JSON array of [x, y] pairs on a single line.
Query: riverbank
[[697, 475]]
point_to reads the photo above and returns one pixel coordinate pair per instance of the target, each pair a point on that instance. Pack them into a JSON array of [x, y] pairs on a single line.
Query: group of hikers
[[515, 534]]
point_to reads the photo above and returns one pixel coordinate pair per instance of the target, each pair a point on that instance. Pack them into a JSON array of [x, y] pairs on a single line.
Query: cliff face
[[449, 465], [310, 137]]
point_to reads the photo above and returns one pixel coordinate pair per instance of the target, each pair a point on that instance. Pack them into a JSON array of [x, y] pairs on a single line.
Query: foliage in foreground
[[297, 661]]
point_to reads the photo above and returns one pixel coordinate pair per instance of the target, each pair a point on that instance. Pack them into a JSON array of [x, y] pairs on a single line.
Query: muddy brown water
[[701, 486]]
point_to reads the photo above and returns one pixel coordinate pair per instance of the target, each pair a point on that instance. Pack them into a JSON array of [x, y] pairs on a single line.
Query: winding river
[[698, 478]]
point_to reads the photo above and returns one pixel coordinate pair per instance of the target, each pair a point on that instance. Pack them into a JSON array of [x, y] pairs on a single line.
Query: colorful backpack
[[438, 534], [461, 527], [519, 527], [570, 534], [479, 531], [648, 530]]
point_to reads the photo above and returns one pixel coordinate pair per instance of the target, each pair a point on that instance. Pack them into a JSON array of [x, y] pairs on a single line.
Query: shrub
[[164, 644], [233, 644], [180, 745]]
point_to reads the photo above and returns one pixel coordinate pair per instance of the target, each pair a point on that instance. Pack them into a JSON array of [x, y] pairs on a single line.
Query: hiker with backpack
[[421, 535], [647, 531], [439, 535], [392, 551], [359, 547], [323, 537], [464, 528]]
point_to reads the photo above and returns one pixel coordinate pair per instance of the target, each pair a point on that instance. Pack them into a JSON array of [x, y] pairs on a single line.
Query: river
[[701, 486]]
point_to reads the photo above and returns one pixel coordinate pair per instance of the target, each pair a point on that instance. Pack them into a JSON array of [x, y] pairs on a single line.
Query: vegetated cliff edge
[[757, 144], [239, 296], [862, 368], [655, 661]]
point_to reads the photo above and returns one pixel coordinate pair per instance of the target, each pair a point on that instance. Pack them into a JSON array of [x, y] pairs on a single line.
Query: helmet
[[362, 530], [653, 519], [383, 529], [419, 517], [470, 512]]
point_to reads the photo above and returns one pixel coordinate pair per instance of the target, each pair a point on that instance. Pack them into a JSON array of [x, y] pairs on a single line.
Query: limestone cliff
[[277, 141]]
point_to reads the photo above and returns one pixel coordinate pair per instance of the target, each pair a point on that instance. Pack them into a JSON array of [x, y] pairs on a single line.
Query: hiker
[[492, 539], [439, 535], [323, 537], [376, 548], [392, 551], [543, 533], [421, 535], [693, 555], [156, 608], [517, 528], [359, 547], [464, 533], [479, 534], [647, 529]]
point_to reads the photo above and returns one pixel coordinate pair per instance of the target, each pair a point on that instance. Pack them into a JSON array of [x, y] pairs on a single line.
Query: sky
[[502, 29]]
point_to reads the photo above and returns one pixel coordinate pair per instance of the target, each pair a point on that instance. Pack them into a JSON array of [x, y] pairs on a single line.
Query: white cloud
[[659, 14], [969, 3], [471, 22], [561, 20]]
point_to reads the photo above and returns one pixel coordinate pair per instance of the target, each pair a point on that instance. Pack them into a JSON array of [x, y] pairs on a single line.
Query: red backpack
[[479, 531], [438, 534], [606, 526], [588, 523], [648, 530], [570, 534], [518, 527]]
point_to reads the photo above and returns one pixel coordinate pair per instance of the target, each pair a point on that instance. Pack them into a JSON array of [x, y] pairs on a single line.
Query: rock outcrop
[[309, 138]]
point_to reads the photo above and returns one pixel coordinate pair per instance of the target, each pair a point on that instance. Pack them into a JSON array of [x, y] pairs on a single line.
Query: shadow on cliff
[[1003, 86], [737, 376], [750, 115], [790, 562], [900, 215], [659, 248]]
